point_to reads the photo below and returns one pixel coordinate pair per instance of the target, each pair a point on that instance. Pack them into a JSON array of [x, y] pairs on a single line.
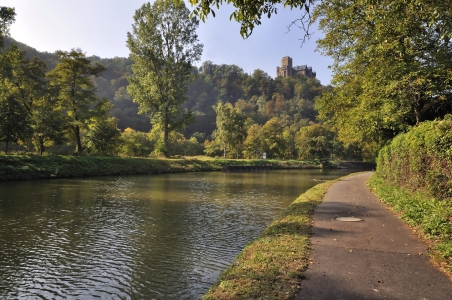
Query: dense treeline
[[236, 115], [272, 111]]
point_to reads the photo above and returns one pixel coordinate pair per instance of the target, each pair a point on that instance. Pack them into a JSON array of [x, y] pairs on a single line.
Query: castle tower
[[286, 61], [287, 69]]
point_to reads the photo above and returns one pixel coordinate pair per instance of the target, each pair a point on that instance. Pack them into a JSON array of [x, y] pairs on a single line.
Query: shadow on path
[[377, 258]]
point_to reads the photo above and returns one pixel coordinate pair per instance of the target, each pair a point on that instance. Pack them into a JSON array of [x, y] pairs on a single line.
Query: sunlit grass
[[272, 266]]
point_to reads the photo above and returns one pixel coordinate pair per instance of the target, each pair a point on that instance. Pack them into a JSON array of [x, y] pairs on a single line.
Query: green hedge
[[421, 159], [414, 176]]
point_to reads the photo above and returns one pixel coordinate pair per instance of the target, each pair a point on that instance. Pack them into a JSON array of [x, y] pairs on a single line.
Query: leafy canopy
[[248, 13], [392, 65], [71, 81]]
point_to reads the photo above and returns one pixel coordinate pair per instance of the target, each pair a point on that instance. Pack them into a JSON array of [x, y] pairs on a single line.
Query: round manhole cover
[[348, 219]]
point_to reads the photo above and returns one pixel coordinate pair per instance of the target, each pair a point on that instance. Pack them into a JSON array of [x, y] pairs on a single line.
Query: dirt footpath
[[377, 258]]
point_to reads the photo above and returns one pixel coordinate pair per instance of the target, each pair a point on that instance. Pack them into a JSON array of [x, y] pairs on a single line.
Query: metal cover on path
[[348, 219]]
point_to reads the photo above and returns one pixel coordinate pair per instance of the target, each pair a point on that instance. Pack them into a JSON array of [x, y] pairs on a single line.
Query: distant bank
[[21, 167]]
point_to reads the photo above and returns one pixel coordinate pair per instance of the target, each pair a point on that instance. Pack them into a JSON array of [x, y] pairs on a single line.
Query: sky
[[100, 28]]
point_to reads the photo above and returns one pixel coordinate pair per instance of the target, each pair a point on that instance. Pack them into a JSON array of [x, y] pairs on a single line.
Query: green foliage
[[103, 136], [253, 142], [420, 159], [14, 121], [256, 95], [7, 17], [273, 141], [49, 122], [135, 143], [247, 13], [393, 67], [315, 142], [230, 132], [71, 82], [163, 46], [179, 145]]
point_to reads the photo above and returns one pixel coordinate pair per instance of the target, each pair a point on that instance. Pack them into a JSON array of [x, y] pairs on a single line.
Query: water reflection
[[154, 237]]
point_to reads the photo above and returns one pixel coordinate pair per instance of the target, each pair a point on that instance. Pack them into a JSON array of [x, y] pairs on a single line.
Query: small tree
[[253, 142], [231, 130], [273, 138], [104, 136], [315, 142], [136, 143], [163, 45]]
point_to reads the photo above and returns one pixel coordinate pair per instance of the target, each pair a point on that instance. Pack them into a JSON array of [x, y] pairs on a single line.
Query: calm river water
[[137, 237]]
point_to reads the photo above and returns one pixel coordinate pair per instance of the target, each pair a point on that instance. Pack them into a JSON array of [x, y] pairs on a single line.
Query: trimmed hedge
[[421, 159]]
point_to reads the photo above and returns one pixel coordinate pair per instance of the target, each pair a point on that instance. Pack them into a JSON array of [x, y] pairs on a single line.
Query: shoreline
[[27, 167], [272, 266]]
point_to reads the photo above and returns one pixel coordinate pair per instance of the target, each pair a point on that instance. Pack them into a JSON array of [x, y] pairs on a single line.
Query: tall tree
[[163, 45], [72, 81], [7, 17]]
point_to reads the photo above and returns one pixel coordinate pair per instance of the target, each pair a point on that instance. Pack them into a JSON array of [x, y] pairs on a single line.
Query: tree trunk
[[41, 146], [6, 147], [418, 116], [165, 135], [79, 141]]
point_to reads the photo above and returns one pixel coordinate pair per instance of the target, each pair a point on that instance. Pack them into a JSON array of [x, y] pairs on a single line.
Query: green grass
[[432, 218], [16, 167], [272, 266]]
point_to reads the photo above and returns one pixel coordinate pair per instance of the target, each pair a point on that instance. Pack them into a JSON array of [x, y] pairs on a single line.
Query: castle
[[286, 69]]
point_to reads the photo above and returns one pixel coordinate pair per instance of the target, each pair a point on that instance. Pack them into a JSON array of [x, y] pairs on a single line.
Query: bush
[[420, 159]]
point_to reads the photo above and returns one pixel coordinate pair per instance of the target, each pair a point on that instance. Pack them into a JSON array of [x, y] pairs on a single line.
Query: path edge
[[273, 265]]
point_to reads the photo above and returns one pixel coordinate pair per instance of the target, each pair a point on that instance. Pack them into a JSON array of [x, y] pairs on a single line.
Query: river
[[164, 236]]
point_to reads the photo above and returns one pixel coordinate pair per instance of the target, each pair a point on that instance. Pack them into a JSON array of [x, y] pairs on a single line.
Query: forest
[[387, 79], [235, 114]]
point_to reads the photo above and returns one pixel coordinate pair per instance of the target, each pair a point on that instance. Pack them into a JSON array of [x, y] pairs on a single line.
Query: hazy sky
[[100, 28]]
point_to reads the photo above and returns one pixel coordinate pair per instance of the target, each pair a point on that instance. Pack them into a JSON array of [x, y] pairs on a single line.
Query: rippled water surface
[[140, 237]]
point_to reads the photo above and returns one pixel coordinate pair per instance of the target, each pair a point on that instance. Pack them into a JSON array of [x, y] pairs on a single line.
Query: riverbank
[[21, 167], [272, 266]]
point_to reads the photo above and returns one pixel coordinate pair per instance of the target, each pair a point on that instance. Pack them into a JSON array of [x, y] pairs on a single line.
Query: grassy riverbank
[[17, 167], [429, 217], [272, 266]]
